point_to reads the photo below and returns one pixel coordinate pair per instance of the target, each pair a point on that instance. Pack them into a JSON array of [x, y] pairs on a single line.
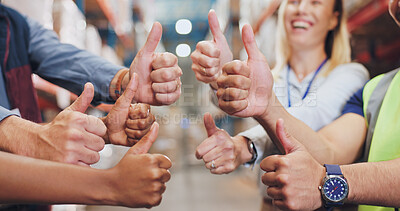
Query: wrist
[[100, 190], [241, 144], [118, 83], [273, 111], [19, 136]]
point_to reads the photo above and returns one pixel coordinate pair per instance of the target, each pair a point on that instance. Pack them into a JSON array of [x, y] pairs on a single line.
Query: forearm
[[374, 183], [18, 136], [318, 146], [29, 180]]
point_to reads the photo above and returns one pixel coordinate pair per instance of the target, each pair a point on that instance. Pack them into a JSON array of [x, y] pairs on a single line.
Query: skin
[[138, 180], [158, 73], [123, 114], [295, 176], [210, 56], [237, 81], [74, 137]]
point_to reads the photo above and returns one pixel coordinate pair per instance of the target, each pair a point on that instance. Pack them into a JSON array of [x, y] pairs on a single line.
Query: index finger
[[270, 163], [95, 126], [236, 67], [206, 146], [163, 161]]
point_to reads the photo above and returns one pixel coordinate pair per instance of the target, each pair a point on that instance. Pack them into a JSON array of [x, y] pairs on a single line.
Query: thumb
[[288, 143], [153, 38], [144, 144], [249, 42], [214, 26], [210, 124], [126, 98], [84, 100]]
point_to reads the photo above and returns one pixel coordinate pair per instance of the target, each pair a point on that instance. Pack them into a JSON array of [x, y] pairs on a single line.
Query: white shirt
[[322, 105]]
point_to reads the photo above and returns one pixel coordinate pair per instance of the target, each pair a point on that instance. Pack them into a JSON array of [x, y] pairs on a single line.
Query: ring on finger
[[203, 69], [213, 164]]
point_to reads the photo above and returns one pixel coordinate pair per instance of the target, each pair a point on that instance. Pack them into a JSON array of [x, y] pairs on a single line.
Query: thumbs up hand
[[72, 137], [139, 178], [245, 87], [125, 123], [210, 56], [158, 73], [220, 152], [293, 179]]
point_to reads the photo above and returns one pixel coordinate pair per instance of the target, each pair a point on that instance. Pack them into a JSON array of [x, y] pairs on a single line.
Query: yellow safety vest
[[381, 97]]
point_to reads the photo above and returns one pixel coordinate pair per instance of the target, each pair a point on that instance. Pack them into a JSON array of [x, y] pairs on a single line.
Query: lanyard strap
[[309, 85]]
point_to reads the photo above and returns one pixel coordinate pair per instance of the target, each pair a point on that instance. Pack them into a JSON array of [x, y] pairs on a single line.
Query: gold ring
[[204, 70]]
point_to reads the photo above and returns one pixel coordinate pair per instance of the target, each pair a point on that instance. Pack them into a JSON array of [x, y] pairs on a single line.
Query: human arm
[[70, 67], [257, 100], [72, 137], [210, 56], [127, 124], [67, 66], [293, 178], [226, 152], [138, 180]]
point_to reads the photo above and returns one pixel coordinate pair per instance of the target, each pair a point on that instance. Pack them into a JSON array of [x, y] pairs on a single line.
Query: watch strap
[[253, 151], [333, 170]]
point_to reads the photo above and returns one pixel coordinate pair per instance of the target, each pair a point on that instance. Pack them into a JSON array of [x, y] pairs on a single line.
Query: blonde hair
[[337, 43]]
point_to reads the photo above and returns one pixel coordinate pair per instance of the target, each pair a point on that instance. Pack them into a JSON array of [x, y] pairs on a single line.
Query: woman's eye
[[316, 2], [294, 2]]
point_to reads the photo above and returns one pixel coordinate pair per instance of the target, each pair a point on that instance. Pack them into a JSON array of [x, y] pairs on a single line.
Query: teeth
[[301, 25]]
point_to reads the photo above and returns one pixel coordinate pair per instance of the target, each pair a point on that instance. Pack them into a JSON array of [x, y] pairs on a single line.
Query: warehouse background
[[116, 30]]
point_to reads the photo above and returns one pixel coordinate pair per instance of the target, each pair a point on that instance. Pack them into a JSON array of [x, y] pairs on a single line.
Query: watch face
[[335, 189]]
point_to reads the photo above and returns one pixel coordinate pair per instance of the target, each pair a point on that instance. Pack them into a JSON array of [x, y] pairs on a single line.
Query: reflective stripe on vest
[[382, 113]]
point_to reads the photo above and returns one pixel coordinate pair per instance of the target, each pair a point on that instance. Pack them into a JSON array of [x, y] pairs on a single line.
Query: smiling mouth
[[301, 25]]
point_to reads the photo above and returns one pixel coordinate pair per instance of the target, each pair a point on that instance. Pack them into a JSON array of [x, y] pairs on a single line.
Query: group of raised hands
[[243, 88]]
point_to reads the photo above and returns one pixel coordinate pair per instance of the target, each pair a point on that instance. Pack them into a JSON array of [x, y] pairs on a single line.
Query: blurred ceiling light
[[183, 50], [183, 26]]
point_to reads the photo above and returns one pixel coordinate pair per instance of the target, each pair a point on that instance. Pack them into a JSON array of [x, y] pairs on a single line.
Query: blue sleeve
[[355, 104], [68, 66], [4, 113]]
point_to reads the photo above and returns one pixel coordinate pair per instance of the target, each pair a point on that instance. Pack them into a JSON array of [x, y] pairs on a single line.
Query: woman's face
[[307, 22]]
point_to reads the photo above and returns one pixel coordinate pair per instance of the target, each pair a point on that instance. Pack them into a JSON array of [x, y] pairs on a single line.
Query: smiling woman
[[313, 78]]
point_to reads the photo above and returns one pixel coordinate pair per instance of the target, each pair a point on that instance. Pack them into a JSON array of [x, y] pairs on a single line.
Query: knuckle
[[142, 124], [165, 75], [155, 200], [283, 162], [282, 179]]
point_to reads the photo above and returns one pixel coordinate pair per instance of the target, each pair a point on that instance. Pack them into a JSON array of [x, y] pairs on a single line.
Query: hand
[[245, 87], [139, 178], [293, 179], [210, 56], [73, 137], [139, 122], [159, 73], [220, 148], [117, 121]]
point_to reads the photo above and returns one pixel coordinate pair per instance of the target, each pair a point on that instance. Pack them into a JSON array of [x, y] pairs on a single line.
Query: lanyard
[[309, 85]]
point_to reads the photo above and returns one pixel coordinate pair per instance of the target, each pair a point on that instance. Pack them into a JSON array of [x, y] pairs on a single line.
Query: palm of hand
[[261, 88]]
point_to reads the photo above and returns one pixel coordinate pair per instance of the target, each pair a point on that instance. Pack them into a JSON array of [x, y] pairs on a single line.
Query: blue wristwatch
[[334, 188]]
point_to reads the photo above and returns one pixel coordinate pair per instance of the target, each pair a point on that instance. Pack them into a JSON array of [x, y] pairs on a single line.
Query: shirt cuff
[[4, 113]]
